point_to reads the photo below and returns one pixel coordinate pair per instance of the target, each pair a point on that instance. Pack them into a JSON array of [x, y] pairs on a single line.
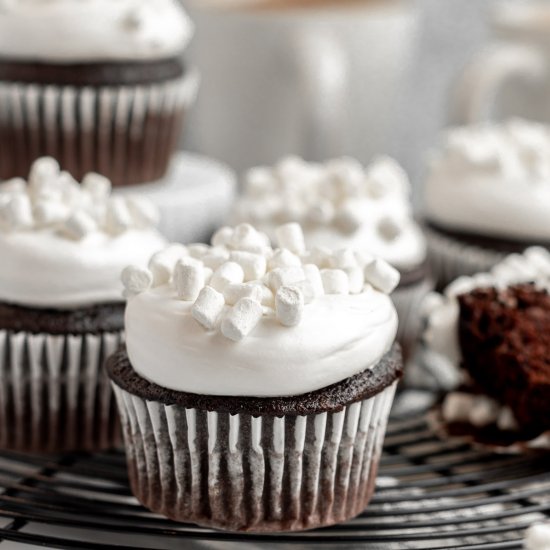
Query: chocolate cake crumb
[[505, 341]]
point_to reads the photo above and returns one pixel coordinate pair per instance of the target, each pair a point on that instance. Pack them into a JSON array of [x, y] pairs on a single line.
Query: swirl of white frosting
[[342, 328], [493, 180], [92, 30], [441, 312], [339, 204], [63, 245]]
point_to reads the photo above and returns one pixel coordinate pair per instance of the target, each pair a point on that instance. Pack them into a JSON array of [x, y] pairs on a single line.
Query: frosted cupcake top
[[92, 30], [442, 311], [63, 245], [339, 204], [492, 180], [240, 318]]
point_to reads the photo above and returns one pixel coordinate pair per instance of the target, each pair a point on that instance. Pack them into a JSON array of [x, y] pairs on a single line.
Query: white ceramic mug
[[511, 76], [317, 80]]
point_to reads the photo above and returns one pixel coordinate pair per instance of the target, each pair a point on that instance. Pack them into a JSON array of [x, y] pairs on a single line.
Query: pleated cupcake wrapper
[[240, 472], [127, 133], [407, 301], [54, 392], [451, 258]]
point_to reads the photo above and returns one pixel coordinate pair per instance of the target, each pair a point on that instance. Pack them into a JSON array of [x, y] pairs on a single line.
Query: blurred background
[[359, 78]]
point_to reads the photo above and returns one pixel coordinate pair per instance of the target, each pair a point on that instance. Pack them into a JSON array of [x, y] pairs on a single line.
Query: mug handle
[[322, 66], [488, 72]]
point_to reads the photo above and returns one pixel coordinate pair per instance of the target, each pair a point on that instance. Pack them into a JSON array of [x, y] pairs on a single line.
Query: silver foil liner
[[55, 394], [451, 258], [407, 301], [128, 133], [245, 473]]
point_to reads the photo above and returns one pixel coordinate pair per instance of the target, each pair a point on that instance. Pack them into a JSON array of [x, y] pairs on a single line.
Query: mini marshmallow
[[539, 258], [284, 258], [356, 279], [198, 250], [382, 276], [537, 536], [43, 171], [241, 319], [267, 297], [79, 225], [306, 288], [259, 181], [335, 281], [118, 218], [461, 285], [50, 212], [362, 258], [222, 237], [342, 259], [98, 186], [506, 420], [136, 280], [313, 275], [289, 306], [188, 281], [389, 229], [207, 275], [228, 273], [208, 307], [254, 265], [284, 276], [71, 192], [245, 237], [456, 407], [215, 257], [291, 237], [484, 411], [232, 293], [162, 263], [349, 217], [144, 213], [13, 186], [17, 213]]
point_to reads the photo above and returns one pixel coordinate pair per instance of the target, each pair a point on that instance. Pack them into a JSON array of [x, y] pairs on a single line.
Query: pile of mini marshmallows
[[517, 150], [53, 199], [241, 278], [330, 194]]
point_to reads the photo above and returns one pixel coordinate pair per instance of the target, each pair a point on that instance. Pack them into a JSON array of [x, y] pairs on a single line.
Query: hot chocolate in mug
[[511, 76], [317, 78]]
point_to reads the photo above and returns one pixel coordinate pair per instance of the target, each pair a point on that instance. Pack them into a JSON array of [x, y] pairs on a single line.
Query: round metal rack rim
[[433, 493]]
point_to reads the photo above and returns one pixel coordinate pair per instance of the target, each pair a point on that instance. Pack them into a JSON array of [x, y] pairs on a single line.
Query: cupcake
[[487, 195], [254, 388], [492, 330], [62, 247], [342, 205], [98, 84]]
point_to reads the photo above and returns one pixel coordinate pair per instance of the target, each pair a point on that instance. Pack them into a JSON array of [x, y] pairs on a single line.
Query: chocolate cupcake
[[254, 389], [487, 195], [492, 329], [342, 205], [100, 85], [62, 247]]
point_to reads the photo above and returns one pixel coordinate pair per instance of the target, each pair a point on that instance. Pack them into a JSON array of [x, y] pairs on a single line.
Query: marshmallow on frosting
[[340, 204], [492, 179], [251, 280], [64, 244]]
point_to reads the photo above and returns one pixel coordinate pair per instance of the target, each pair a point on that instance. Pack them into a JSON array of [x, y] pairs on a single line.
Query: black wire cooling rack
[[432, 493]]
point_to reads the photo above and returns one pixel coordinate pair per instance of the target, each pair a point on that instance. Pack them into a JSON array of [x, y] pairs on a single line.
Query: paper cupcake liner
[[407, 301], [246, 473], [451, 258], [127, 133], [54, 393]]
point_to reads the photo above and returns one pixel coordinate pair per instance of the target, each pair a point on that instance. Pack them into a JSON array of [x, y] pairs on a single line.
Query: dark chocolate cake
[[505, 341]]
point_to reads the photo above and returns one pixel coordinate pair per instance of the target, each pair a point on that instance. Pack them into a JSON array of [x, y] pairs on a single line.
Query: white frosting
[[493, 180], [92, 30], [340, 204], [182, 342], [63, 245], [442, 312]]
